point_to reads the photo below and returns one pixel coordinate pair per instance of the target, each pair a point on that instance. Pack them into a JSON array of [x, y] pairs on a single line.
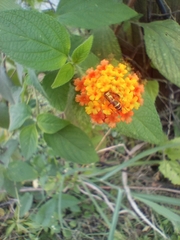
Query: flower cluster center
[[110, 93]]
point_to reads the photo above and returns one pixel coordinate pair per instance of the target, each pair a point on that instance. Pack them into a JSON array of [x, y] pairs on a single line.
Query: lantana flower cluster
[[110, 93]]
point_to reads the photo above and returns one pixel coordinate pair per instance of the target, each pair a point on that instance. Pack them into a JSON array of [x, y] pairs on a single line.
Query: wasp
[[112, 100]]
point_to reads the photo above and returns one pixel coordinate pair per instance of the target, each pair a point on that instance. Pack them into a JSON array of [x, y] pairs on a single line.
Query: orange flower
[[110, 93]]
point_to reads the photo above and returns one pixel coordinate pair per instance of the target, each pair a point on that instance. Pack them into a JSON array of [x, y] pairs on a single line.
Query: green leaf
[[57, 97], [141, 155], [7, 150], [18, 114], [28, 140], [32, 103], [8, 5], [163, 47], [20, 73], [6, 86], [49, 123], [68, 201], [39, 41], [1, 177], [171, 170], [115, 215], [10, 229], [173, 153], [4, 115], [33, 80], [91, 61], [76, 114], [153, 89], [64, 75], [10, 188], [93, 14], [25, 203], [72, 144], [164, 211], [41, 165], [105, 44], [82, 51], [160, 198], [67, 233], [145, 123], [19, 171], [45, 214], [76, 40]]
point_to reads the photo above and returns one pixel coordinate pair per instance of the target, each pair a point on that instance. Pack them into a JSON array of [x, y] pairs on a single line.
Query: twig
[[10, 202], [136, 148], [109, 130], [95, 196], [135, 207], [113, 147], [130, 153], [26, 189], [146, 188], [110, 205]]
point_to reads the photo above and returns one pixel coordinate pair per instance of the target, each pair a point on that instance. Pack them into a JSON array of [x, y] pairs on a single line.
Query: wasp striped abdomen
[[112, 100]]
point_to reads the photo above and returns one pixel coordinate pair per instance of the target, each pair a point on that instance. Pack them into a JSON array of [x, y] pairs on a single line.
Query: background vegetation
[[61, 177]]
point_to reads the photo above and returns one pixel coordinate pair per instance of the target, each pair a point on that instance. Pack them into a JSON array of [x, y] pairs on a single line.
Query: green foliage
[[4, 115], [56, 97], [28, 140], [33, 80], [72, 144], [19, 171], [44, 48], [82, 51], [106, 44], [68, 201], [95, 12], [64, 75], [49, 123], [44, 216], [91, 61], [173, 153], [146, 124], [18, 114], [47, 140], [161, 199], [153, 89], [9, 148], [162, 46], [7, 5], [162, 210], [115, 217], [170, 169], [25, 203], [1, 177], [6, 86]]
